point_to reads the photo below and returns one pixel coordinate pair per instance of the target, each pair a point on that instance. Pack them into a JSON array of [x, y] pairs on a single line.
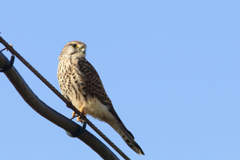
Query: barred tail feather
[[126, 136]]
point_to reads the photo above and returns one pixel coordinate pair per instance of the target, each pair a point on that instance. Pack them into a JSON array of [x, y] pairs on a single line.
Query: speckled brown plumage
[[93, 84], [80, 83]]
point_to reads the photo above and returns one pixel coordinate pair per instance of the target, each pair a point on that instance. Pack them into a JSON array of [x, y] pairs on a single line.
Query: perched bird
[[80, 84]]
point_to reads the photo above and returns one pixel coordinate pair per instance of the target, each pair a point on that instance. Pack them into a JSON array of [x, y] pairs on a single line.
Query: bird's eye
[[74, 45]]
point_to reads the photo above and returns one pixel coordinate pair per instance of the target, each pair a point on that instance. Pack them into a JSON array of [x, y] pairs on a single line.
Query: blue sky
[[171, 69]]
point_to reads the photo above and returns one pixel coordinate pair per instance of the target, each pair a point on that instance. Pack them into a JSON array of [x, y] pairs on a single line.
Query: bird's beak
[[82, 50]]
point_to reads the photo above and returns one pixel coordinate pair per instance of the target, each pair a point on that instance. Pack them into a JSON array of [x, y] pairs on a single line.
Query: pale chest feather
[[70, 79]]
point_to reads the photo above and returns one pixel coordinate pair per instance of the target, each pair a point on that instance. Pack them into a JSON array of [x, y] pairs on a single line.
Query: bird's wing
[[93, 85]]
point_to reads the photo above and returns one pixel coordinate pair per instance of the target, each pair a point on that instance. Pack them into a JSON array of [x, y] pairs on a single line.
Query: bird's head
[[74, 48]]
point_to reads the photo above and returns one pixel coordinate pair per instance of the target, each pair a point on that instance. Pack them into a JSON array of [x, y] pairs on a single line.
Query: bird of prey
[[80, 84]]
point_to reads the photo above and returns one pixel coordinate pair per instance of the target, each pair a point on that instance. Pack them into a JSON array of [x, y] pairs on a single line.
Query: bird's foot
[[74, 115], [80, 117]]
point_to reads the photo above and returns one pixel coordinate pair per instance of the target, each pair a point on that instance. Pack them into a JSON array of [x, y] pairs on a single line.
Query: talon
[[83, 114], [78, 118], [73, 114]]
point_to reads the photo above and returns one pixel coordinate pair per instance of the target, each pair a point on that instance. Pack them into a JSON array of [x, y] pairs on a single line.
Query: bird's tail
[[126, 136]]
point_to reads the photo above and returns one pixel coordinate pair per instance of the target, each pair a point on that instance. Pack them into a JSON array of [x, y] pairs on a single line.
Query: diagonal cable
[[69, 104]]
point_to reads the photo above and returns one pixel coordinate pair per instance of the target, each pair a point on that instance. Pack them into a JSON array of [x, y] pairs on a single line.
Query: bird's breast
[[70, 80]]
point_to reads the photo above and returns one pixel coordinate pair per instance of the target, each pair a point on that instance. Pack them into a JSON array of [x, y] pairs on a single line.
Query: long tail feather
[[126, 136]]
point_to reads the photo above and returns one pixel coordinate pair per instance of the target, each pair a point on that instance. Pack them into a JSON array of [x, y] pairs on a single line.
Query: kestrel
[[80, 84]]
